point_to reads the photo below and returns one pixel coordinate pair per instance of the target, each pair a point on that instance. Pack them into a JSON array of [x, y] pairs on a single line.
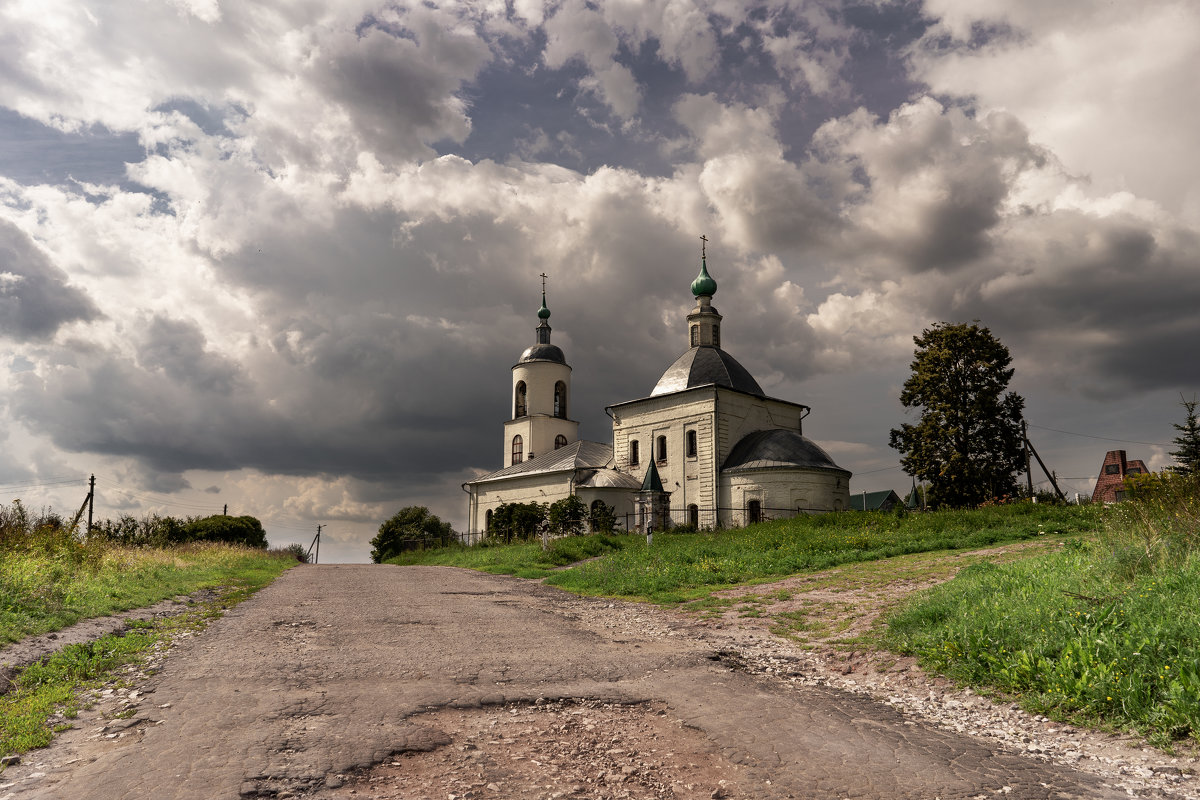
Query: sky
[[280, 257]]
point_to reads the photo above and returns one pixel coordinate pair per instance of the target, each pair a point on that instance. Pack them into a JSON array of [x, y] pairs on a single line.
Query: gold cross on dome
[[543, 277], [703, 246]]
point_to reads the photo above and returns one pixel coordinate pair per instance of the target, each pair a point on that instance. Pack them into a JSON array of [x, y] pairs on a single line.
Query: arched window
[[695, 335], [518, 449], [519, 408], [560, 441], [662, 449], [694, 515], [560, 400], [691, 444], [633, 452], [753, 512], [487, 520]]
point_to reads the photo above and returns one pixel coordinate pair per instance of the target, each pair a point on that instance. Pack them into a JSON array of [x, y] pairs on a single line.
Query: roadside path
[[335, 669]]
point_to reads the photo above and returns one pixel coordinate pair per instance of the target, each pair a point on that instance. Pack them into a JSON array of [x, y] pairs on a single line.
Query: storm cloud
[[293, 251]]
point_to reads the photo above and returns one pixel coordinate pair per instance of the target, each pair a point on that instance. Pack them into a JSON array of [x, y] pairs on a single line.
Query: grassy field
[[45, 586], [681, 567], [1104, 632]]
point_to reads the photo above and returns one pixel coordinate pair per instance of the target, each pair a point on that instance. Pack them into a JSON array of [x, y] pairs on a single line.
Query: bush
[[566, 516], [518, 520], [246, 531], [409, 528]]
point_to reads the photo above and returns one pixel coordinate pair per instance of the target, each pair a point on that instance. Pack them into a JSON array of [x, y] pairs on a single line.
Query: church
[[707, 447]]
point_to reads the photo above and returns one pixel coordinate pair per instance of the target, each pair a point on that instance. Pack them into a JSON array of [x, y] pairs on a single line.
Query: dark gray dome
[[543, 352], [777, 449], [702, 366]]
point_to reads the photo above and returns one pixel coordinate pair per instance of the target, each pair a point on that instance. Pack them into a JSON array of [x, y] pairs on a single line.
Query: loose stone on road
[[349, 681]]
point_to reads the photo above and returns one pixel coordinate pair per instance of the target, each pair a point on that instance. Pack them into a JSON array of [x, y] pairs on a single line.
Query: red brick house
[[1112, 476]]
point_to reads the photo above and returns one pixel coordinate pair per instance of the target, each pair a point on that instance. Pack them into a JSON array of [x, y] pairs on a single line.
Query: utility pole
[[1028, 470], [91, 500], [316, 542]]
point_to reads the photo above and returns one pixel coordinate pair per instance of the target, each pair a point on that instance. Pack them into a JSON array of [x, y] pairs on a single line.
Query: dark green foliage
[[518, 520], [566, 516], [296, 551], [602, 517], [151, 530], [409, 525], [967, 444], [1187, 457], [247, 531]]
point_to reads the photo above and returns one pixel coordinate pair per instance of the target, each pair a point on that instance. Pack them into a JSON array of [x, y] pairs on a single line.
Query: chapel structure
[[706, 447]]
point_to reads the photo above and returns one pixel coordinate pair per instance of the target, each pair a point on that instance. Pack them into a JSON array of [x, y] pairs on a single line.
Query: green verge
[[45, 589], [523, 559], [55, 688], [679, 567], [682, 567], [1071, 635]]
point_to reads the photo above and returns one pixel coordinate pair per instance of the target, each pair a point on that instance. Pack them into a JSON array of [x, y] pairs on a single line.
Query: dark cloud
[[35, 296]]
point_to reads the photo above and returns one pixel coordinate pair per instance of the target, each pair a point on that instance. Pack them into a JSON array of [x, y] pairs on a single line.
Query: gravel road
[[356, 681]]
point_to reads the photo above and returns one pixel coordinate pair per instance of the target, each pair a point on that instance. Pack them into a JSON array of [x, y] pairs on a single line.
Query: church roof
[[607, 479], [702, 366], [777, 449], [543, 352], [577, 455], [652, 483]]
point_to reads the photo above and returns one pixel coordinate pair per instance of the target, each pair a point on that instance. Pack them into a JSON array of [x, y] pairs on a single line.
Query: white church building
[[723, 453]]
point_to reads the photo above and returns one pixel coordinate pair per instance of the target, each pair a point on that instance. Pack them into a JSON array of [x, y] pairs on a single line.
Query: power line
[[1102, 438], [38, 484]]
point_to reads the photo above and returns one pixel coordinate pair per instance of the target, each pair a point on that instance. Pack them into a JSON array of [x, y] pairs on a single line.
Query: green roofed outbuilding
[[884, 500]]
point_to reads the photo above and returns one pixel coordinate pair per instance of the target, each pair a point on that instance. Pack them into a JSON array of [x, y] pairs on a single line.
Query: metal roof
[[703, 366], [577, 455], [777, 449], [607, 479], [543, 352]]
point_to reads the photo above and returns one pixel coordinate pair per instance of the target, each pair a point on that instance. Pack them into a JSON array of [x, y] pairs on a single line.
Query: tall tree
[[968, 443], [1187, 457], [410, 522]]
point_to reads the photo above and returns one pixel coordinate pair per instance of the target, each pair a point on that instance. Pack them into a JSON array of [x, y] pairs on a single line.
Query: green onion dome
[[543, 312], [704, 285]]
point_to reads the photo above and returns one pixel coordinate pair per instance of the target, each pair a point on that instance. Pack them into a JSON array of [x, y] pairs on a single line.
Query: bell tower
[[704, 323], [541, 398]]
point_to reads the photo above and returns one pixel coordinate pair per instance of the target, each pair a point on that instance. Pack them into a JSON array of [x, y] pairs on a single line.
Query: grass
[[523, 559], [44, 588], [46, 694], [679, 568], [1102, 632], [682, 567]]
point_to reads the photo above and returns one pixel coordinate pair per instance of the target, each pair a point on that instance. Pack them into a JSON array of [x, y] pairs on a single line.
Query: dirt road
[[350, 681]]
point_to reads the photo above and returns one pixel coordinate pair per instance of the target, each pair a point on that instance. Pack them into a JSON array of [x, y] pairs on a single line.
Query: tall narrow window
[[560, 441], [695, 335], [754, 512], [693, 515], [691, 444], [519, 404], [487, 520], [716, 335], [518, 449], [662, 449], [560, 400], [633, 452]]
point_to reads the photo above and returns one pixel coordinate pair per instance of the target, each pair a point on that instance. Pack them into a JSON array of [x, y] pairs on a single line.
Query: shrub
[[565, 517], [408, 528], [245, 530]]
